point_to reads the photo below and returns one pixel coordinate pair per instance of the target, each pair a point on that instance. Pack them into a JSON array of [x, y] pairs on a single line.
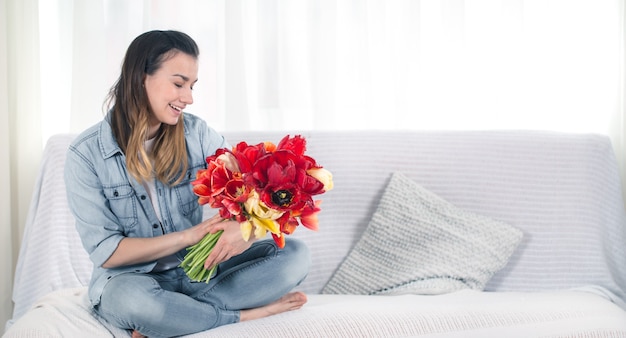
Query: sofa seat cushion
[[467, 313], [418, 243]]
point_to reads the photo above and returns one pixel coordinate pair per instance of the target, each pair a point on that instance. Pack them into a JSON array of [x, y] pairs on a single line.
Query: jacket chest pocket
[[123, 204], [187, 200]]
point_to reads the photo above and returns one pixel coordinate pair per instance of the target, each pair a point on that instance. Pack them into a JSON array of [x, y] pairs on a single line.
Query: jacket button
[[143, 197], [155, 225], [115, 193]]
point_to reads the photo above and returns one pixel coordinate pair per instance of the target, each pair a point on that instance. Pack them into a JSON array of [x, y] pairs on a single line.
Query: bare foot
[[136, 334], [288, 302]]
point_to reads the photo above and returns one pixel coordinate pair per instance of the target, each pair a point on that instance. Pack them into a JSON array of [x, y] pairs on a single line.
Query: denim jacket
[[109, 204]]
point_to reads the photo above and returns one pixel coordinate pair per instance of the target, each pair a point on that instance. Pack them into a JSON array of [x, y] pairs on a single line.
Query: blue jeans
[[168, 303]]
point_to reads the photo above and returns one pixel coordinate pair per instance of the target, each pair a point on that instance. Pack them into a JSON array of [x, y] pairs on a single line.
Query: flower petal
[[279, 239], [265, 223], [296, 144], [322, 175], [308, 216], [246, 230]]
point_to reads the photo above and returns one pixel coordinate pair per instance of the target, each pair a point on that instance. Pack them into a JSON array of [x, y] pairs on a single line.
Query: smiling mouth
[[176, 108]]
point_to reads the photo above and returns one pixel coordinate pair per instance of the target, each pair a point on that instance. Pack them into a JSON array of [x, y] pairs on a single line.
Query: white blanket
[[571, 313]]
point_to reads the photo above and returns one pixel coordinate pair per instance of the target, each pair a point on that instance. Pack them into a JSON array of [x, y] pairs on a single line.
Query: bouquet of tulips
[[265, 187]]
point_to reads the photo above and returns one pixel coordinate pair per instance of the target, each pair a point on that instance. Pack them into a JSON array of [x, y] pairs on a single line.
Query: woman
[[129, 188]]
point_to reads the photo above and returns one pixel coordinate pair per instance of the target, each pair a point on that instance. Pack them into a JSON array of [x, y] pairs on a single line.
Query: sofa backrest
[[562, 190]]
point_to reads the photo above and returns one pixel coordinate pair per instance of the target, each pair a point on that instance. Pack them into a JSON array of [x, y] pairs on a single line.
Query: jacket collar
[[108, 145]]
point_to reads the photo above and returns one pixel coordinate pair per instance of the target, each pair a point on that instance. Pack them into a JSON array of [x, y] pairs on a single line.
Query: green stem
[[193, 263]]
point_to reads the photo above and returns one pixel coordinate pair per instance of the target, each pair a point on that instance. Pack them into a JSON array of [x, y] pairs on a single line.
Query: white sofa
[[566, 277]]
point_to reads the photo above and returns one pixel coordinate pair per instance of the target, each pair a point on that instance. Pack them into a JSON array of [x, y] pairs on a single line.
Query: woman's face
[[170, 88]]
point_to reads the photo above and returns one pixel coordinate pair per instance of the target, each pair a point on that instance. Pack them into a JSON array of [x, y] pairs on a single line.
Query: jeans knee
[[299, 258], [128, 300]]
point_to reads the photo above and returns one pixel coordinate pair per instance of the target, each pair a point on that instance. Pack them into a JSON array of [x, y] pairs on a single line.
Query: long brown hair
[[130, 109]]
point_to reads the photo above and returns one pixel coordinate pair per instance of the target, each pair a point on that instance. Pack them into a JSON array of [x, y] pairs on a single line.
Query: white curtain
[[20, 130], [6, 228], [315, 64]]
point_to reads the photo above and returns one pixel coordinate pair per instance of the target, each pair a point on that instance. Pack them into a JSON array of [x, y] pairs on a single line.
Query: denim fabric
[[166, 304], [109, 204]]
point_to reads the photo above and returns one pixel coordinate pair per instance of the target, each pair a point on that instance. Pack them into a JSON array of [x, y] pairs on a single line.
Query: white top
[[168, 262]]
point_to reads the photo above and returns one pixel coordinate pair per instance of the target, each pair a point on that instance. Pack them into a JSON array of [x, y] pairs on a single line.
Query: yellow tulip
[[255, 207], [324, 176], [266, 224], [230, 161], [246, 229]]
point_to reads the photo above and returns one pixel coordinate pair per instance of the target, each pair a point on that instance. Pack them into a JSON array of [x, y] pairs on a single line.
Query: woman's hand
[[136, 250], [230, 243], [194, 234]]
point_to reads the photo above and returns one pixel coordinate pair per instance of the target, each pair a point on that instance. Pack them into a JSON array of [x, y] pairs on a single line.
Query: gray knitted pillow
[[418, 243]]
